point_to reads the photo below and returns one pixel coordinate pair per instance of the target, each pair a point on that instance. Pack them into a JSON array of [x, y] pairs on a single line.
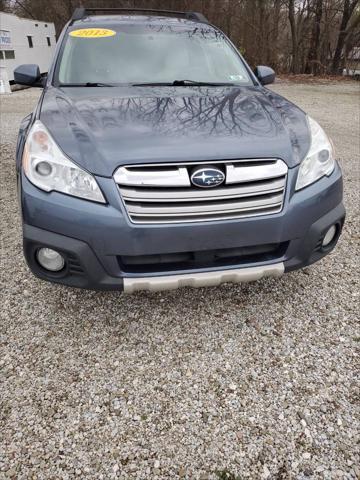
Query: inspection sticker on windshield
[[92, 33], [236, 77]]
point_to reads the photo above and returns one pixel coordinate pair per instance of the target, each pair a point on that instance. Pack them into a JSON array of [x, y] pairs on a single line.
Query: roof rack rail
[[82, 12], [78, 14]]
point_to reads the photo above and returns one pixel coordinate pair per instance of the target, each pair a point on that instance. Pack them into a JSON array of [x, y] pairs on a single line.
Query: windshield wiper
[[87, 84], [183, 83], [175, 83]]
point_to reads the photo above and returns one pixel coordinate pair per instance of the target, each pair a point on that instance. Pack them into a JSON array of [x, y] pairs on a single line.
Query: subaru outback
[[156, 158]]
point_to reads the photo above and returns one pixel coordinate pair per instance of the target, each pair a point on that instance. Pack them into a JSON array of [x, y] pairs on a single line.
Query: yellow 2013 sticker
[[92, 33]]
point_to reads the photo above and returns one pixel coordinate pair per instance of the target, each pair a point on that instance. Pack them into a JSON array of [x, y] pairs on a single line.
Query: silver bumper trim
[[202, 279]]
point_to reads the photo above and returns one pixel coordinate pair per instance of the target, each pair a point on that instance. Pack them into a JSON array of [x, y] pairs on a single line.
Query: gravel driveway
[[257, 380]]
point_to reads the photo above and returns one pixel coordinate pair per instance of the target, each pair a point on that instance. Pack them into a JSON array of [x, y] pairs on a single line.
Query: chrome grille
[[163, 193]]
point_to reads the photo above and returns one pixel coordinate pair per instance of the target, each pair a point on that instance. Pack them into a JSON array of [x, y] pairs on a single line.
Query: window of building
[[45, 25], [30, 41], [9, 54], [48, 41], [36, 24], [1, 55]]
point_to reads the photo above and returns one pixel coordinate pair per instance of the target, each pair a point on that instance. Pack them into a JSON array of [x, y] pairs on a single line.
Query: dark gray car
[[157, 159]]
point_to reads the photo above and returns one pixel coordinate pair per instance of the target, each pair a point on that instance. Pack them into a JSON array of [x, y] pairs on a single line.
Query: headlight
[[320, 159], [47, 167]]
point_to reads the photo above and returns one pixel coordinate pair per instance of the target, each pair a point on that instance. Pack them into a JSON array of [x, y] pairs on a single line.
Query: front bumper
[[93, 237], [202, 279]]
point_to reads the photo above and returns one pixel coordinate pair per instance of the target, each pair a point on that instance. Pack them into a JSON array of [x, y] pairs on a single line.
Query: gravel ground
[[257, 380]]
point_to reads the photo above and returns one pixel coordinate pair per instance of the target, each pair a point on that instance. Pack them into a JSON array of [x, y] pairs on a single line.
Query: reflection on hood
[[101, 128], [227, 114]]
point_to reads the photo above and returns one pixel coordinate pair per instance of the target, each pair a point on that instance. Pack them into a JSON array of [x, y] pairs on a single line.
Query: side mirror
[[265, 75], [28, 74]]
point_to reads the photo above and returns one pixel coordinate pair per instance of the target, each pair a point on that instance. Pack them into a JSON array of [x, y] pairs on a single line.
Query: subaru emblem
[[206, 177]]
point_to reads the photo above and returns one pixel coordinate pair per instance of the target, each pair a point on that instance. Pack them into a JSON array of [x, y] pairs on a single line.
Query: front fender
[[23, 129]]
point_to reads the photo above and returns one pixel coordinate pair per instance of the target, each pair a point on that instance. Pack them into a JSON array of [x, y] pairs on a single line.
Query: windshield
[[130, 54]]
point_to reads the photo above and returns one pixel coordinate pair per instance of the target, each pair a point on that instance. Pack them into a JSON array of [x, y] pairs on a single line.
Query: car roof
[[96, 20]]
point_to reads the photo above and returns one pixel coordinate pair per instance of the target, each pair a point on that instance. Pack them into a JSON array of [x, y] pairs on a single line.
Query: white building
[[24, 40]]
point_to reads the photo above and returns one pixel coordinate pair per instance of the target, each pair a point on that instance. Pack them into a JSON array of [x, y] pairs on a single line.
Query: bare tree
[[348, 8], [298, 36], [313, 62], [4, 5]]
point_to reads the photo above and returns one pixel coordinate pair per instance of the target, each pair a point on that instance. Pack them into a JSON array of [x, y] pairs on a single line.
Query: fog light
[[329, 236], [50, 259]]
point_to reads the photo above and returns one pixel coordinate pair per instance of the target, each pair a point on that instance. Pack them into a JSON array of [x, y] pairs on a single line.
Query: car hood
[[101, 128]]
